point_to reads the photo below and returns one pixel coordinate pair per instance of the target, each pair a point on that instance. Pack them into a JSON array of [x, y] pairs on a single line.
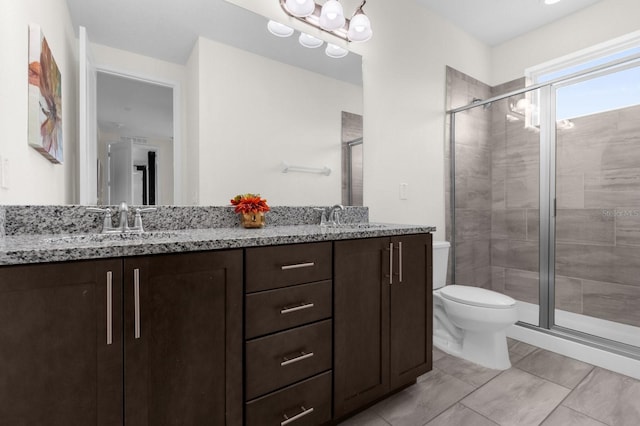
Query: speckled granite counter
[[35, 246]]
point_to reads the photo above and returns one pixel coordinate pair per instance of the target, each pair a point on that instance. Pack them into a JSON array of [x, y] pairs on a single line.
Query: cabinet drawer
[[276, 310], [284, 358], [281, 266], [309, 400]]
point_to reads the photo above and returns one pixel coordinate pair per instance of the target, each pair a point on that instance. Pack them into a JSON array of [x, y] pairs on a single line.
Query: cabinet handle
[[303, 355], [136, 302], [400, 266], [390, 263], [109, 307], [297, 266], [304, 412], [287, 310]]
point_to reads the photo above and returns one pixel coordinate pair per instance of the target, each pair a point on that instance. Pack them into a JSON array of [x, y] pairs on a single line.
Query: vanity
[[290, 324]]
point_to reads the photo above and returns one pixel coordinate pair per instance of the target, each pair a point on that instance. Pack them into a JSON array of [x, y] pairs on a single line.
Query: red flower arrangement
[[249, 203]]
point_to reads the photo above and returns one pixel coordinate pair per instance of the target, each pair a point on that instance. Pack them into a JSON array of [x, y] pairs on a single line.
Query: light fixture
[[310, 41], [332, 16], [328, 18], [279, 30], [359, 26], [334, 51], [300, 8]]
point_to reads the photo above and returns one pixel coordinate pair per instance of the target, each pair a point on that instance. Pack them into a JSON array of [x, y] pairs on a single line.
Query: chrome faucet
[[123, 224], [334, 216]]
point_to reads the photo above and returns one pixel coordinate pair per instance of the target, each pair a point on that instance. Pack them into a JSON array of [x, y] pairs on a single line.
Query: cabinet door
[[361, 317], [60, 350], [411, 309], [183, 339]]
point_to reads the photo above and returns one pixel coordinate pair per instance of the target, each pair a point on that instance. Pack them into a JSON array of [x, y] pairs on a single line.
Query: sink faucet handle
[[137, 220], [323, 216], [107, 223]]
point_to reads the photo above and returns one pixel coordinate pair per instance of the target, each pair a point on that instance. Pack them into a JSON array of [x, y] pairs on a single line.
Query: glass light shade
[[278, 29], [310, 41], [360, 28], [300, 8], [332, 16], [334, 51]]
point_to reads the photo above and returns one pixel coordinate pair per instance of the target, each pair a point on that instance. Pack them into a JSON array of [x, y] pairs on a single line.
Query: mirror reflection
[[245, 97]]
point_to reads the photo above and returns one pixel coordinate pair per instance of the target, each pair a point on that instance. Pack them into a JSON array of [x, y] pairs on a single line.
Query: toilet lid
[[476, 296]]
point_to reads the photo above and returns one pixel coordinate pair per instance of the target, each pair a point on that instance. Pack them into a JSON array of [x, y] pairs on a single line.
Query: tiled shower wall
[[473, 182], [598, 217], [497, 197]]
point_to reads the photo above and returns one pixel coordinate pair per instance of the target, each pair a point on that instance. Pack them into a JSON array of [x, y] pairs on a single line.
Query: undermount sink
[[101, 238], [358, 226]]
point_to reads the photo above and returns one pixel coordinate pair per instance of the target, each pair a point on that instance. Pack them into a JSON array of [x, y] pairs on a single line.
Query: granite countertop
[[40, 248]]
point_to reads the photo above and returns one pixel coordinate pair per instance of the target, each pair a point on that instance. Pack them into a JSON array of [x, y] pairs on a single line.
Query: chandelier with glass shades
[[329, 18]]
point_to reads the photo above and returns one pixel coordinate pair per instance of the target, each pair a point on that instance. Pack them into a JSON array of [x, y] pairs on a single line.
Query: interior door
[[87, 140]]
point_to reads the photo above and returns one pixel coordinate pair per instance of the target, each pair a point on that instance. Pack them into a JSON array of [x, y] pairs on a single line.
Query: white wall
[[404, 109], [33, 179], [601, 22], [255, 113]]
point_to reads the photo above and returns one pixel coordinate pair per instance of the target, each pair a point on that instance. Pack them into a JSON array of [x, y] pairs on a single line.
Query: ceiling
[[497, 21]]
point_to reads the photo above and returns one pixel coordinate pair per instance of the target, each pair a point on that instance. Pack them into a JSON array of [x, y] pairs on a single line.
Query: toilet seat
[[476, 296]]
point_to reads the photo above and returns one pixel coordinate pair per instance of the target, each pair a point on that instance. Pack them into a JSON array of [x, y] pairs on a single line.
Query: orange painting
[[45, 98]]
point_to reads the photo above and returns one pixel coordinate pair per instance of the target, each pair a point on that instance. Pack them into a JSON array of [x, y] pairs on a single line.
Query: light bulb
[[334, 51], [310, 41], [278, 29], [359, 28], [300, 8], [332, 16]]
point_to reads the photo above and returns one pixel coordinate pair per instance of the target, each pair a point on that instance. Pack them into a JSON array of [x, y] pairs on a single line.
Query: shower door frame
[[547, 202]]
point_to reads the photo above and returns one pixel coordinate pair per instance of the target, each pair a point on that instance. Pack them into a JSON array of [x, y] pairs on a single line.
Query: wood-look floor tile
[[366, 418], [608, 397], [554, 367], [473, 374], [516, 398], [434, 393], [459, 415], [563, 416]]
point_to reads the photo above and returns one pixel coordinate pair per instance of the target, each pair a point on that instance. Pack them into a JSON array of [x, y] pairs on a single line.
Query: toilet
[[470, 322]]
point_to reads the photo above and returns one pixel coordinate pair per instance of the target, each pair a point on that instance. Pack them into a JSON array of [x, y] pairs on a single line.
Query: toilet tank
[[440, 261]]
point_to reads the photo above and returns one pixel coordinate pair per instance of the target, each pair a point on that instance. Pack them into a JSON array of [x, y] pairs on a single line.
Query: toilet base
[[486, 349]]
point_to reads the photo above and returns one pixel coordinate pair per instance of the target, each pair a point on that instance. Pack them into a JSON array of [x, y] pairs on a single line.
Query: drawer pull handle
[[109, 307], [304, 412], [298, 266], [288, 310], [303, 355], [136, 303]]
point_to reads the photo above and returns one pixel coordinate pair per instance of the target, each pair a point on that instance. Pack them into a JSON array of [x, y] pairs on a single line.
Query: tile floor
[[541, 388]]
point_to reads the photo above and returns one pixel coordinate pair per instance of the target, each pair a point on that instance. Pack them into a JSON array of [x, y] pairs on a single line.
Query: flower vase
[[252, 219]]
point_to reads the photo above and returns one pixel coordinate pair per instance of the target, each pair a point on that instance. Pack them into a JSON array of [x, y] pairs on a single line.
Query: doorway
[[135, 151]]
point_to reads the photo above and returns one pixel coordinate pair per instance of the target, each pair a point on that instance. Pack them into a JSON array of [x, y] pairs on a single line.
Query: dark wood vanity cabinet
[[289, 335], [382, 315], [170, 352], [60, 350], [183, 339], [320, 331]]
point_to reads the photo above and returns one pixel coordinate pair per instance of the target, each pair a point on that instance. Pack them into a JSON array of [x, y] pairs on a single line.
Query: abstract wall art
[[45, 98]]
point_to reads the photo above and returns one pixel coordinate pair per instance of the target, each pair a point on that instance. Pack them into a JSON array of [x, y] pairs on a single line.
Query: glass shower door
[[597, 222]]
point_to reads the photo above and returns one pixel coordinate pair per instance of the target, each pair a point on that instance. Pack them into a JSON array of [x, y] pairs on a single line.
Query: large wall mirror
[[135, 160]]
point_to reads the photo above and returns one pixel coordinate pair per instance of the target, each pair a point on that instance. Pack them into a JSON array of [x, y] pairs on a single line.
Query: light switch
[[404, 191]]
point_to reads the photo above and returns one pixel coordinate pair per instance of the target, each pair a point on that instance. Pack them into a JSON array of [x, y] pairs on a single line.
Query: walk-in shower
[[544, 201]]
